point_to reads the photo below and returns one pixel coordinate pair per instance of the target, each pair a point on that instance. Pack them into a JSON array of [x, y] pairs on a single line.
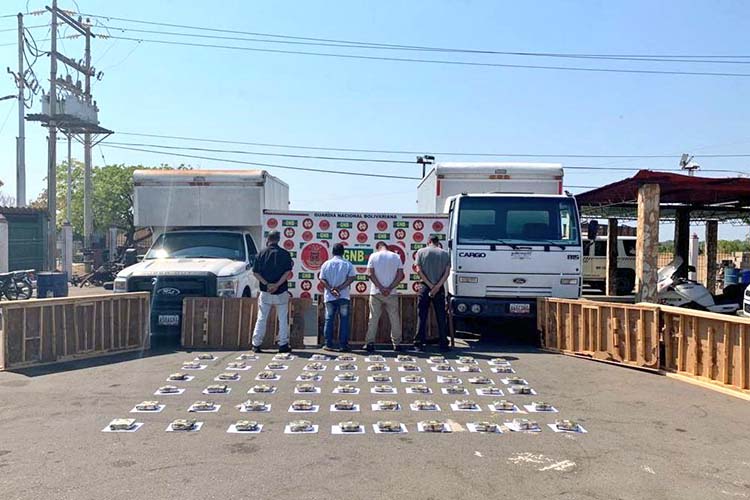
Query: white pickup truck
[[207, 227]]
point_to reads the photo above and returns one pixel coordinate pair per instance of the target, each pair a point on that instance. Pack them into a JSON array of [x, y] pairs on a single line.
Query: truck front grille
[[167, 292], [517, 291]]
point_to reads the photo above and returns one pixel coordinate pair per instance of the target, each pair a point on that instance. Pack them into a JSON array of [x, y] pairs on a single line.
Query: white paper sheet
[[530, 409], [228, 369], [507, 382], [455, 407], [197, 427], [275, 377], [580, 430], [466, 369], [511, 391], [201, 367], [386, 369], [375, 407], [273, 391], [409, 390], [445, 362], [513, 427], [480, 393], [314, 430], [403, 430], [446, 429], [335, 429], [217, 379], [370, 379], [206, 360], [316, 378], [391, 392], [355, 410], [233, 430], [500, 363], [435, 369], [205, 391], [339, 369], [322, 369], [159, 409], [285, 367], [315, 409], [473, 428], [290, 358], [495, 369], [214, 410], [338, 379], [445, 391], [420, 380], [401, 369], [414, 408], [179, 391], [375, 360], [136, 426], [441, 380], [247, 357]]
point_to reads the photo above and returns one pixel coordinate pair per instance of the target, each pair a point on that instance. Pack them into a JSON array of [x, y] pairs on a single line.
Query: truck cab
[[508, 249]]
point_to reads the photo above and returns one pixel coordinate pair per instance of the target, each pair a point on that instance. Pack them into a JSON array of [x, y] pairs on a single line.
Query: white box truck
[[207, 227], [512, 234]]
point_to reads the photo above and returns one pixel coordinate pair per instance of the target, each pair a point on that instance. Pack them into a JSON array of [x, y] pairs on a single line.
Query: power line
[[418, 47], [269, 165], [424, 151], [436, 61]]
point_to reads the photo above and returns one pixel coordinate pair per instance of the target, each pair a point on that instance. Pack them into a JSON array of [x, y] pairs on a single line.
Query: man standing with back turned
[[433, 266], [386, 271], [272, 269], [336, 275]]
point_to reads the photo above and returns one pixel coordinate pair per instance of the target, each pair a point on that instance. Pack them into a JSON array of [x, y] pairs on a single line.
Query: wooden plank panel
[[48, 332], [14, 337]]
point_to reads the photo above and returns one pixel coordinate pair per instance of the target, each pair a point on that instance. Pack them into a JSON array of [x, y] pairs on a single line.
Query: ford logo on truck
[[478, 255], [169, 291]]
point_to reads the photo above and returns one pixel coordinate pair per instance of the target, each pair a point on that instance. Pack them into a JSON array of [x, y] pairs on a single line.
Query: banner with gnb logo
[[309, 237]]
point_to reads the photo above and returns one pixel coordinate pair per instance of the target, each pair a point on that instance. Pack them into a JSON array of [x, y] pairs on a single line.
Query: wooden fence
[[52, 330], [709, 347], [359, 316], [227, 323], [622, 333]]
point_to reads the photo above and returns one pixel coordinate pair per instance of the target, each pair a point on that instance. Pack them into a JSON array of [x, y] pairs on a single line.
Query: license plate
[[169, 319], [520, 308]]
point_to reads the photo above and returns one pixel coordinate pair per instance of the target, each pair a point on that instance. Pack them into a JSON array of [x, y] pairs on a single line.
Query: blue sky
[[294, 99]]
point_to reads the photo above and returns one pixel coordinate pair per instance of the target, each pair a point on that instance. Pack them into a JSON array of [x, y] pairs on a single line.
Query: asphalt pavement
[[649, 437]]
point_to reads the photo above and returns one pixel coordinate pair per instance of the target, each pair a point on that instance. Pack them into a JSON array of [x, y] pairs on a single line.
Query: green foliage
[[729, 246]]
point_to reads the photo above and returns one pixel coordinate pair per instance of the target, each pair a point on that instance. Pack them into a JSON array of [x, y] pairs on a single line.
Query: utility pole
[[88, 220], [21, 139], [52, 145], [69, 192]]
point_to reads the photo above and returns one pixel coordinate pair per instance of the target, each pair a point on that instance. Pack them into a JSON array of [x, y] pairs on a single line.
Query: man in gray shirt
[[433, 266]]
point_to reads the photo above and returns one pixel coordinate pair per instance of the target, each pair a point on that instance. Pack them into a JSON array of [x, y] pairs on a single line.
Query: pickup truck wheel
[[246, 292], [625, 282]]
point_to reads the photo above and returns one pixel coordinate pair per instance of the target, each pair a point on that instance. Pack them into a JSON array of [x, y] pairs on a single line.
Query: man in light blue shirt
[[336, 275]]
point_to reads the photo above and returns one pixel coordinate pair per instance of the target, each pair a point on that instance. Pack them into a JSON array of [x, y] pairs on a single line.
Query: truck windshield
[[198, 244], [517, 221]]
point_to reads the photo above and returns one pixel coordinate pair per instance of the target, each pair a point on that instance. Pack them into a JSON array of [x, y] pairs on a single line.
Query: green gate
[[27, 237]]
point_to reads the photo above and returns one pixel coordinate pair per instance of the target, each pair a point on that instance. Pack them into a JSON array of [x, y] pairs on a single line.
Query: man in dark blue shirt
[[272, 269]]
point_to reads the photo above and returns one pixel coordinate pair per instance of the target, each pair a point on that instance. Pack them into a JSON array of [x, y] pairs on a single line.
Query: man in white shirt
[[336, 275], [386, 271]]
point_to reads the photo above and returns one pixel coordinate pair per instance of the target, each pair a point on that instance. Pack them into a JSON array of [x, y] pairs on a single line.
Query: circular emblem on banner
[[418, 237], [382, 225], [304, 295], [415, 286], [362, 269], [362, 237], [307, 235], [398, 250], [272, 223], [289, 244], [324, 225], [313, 255], [344, 234], [345, 243], [307, 223], [306, 285], [400, 234], [437, 226], [418, 225], [289, 232], [361, 287]]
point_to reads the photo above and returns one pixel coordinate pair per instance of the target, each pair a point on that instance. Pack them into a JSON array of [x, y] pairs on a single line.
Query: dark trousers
[[423, 306]]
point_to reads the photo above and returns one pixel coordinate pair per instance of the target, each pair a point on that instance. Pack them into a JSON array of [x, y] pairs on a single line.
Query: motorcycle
[[103, 274], [17, 285], [673, 290]]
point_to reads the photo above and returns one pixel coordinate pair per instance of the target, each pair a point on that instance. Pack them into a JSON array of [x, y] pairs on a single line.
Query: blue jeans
[[342, 307]]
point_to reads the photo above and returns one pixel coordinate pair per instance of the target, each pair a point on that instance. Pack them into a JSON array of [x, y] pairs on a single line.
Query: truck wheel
[[625, 282], [246, 292]]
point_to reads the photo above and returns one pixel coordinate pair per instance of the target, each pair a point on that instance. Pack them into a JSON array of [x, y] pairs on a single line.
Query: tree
[[112, 197]]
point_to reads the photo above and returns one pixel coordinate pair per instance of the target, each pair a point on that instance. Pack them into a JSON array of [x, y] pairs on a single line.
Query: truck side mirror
[[250, 261]]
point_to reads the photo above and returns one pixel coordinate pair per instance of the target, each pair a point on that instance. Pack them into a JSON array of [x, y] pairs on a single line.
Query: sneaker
[[399, 348], [285, 348], [257, 349], [418, 346], [370, 348], [346, 348], [329, 348]]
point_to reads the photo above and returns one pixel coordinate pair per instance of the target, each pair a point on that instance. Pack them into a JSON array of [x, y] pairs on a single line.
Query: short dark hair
[[273, 236], [338, 249], [380, 244], [434, 239]]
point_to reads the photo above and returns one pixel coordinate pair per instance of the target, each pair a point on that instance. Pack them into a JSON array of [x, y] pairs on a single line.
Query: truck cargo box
[[206, 198]]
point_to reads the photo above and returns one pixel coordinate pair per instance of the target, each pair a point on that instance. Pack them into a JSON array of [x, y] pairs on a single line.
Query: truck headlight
[[121, 285], [569, 281], [461, 308], [476, 308], [226, 287]]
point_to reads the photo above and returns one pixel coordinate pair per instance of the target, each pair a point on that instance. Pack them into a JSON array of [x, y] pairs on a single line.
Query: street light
[[425, 160]]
